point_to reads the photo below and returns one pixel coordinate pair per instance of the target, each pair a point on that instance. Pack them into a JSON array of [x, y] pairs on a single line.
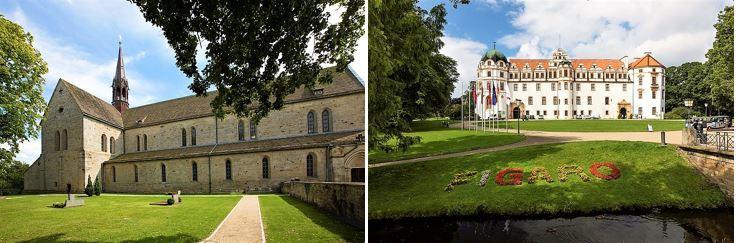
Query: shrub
[[170, 201], [681, 113], [98, 186], [89, 190], [59, 205]]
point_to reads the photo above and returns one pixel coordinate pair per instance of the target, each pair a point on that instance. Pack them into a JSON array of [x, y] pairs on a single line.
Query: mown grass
[[110, 218], [287, 219], [437, 139], [651, 176], [595, 125]]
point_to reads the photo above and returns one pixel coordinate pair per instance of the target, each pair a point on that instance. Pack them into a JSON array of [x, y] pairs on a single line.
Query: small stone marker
[[71, 200]]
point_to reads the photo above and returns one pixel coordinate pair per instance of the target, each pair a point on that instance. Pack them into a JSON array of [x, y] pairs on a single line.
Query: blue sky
[[675, 31], [79, 41]]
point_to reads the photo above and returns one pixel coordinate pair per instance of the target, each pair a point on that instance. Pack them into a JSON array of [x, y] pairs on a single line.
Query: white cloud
[[467, 54], [674, 31]]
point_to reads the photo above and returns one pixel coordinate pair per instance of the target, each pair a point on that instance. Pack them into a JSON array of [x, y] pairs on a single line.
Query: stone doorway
[[624, 109], [517, 113]]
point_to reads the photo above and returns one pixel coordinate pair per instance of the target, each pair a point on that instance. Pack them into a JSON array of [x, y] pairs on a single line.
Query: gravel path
[[242, 224], [538, 137]]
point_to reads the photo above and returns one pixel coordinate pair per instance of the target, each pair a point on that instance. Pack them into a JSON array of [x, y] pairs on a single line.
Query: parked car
[[541, 117]]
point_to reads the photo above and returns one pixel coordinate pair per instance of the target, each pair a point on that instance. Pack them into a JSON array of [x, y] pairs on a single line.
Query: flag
[[475, 95], [493, 94]]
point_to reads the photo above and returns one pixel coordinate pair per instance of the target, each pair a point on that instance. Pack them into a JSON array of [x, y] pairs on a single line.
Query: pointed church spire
[[120, 83]]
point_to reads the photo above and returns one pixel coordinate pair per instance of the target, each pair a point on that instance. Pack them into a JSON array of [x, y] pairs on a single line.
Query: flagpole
[[462, 106]]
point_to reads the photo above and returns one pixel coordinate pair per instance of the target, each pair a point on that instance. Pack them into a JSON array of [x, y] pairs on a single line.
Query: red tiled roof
[[646, 61], [587, 63]]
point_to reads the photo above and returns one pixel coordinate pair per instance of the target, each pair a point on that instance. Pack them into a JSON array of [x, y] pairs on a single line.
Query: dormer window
[[318, 91]]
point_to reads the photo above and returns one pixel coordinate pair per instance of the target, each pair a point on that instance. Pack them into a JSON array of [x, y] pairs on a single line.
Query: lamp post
[[706, 109], [688, 104], [517, 103]]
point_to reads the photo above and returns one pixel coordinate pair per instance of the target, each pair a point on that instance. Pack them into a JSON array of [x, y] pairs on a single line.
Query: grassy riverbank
[[651, 176], [437, 139]]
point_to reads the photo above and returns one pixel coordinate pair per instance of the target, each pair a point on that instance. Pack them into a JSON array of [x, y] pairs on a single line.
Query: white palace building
[[564, 88]]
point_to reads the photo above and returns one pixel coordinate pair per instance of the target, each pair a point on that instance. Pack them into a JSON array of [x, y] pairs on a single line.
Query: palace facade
[[180, 145], [565, 88]]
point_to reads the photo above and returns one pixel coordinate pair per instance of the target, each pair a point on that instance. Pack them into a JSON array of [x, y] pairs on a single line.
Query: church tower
[[120, 84]]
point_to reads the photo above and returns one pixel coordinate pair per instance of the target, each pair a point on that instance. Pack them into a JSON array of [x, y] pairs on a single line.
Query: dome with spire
[[494, 55]]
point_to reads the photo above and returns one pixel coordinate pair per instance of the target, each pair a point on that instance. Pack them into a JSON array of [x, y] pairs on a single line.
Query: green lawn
[[437, 139], [596, 125], [111, 219], [651, 176], [287, 219]]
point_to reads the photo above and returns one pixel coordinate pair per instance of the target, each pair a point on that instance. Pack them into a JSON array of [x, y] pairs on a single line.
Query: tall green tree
[[687, 81], [720, 64], [257, 51], [408, 77], [11, 176], [21, 89]]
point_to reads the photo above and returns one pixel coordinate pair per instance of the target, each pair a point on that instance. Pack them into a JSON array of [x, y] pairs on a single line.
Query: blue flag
[[494, 99]]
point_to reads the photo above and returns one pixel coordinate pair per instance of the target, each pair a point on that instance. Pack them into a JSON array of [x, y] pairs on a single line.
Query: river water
[[665, 226]]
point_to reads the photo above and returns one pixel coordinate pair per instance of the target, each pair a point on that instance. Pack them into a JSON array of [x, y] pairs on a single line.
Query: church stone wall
[[246, 173], [93, 154], [347, 114]]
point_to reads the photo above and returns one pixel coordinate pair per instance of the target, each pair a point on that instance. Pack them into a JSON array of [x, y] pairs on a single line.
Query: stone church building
[[179, 144]]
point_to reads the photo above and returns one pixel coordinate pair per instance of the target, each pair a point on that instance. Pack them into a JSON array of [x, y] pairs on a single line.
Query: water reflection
[[668, 226]]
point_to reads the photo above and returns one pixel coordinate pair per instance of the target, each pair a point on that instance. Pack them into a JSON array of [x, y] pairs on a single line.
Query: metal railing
[[719, 140]]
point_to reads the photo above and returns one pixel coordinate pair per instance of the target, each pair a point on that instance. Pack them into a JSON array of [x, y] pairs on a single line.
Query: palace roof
[[587, 63], [646, 61], [306, 141]]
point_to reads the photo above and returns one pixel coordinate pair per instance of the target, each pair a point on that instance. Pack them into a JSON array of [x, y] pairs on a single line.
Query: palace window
[[103, 142], [544, 100], [606, 112], [641, 110], [539, 87], [114, 176], [565, 85], [641, 94], [555, 100], [253, 134], [64, 140], [608, 87], [607, 101], [228, 170], [310, 165], [537, 113], [58, 140], [553, 86], [545, 112], [264, 166], [577, 100], [555, 111], [311, 127], [565, 101], [654, 111], [241, 131], [654, 80], [516, 87], [502, 85], [138, 143], [577, 87], [523, 87], [565, 112], [183, 137], [640, 79], [530, 100], [326, 121], [194, 136], [502, 74], [135, 173], [590, 112], [145, 142], [194, 171], [654, 94], [624, 87], [163, 172], [592, 87], [590, 100]]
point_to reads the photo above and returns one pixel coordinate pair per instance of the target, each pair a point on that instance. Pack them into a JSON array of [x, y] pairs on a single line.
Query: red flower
[[615, 172], [515, 177]]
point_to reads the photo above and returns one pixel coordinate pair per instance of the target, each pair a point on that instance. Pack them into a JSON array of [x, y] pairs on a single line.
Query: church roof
[[307, 141], [646, 61], [190, 107], [93, 106]]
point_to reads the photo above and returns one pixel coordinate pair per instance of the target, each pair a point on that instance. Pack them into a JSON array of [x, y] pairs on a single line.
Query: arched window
[[326, 121], [183, 137], [264, 165], [114, 176], [64, 140], [112, 145], [310, 165], [58, 141], [103, 143], [228, 170], [194, 136], [253, 134], [241, 131], [138, 143], [194, 171], [310, 123], [145, 142], [163, 172], [135, 172]]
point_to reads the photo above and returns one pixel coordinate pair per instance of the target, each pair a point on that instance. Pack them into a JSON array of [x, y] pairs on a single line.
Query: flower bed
[[595, 170]]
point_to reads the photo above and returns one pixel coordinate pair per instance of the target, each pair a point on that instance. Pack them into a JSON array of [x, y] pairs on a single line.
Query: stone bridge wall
[[716, 165], [346, 200]]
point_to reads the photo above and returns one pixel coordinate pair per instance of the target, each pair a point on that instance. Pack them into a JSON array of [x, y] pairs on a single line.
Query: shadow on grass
[[447, 146], [172, 238], [326, 220]]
